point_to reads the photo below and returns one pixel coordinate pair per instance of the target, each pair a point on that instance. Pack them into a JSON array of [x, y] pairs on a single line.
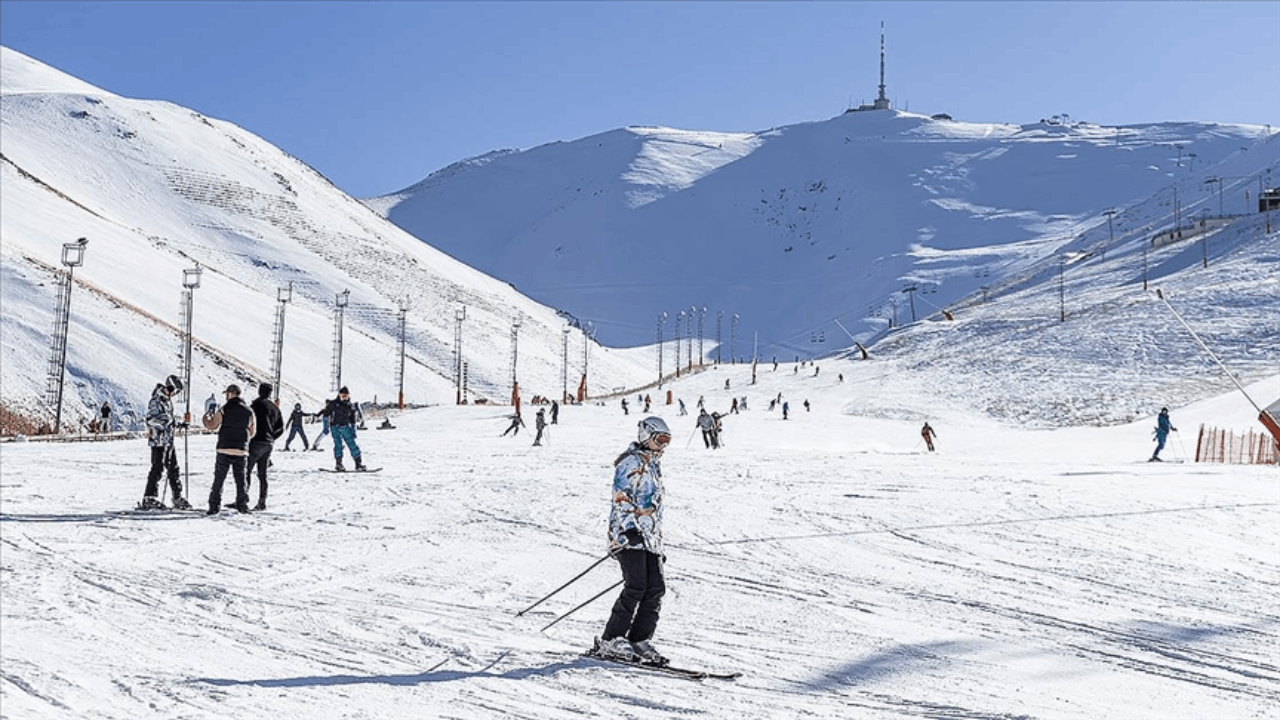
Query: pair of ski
[[367, 470], [686, 673]]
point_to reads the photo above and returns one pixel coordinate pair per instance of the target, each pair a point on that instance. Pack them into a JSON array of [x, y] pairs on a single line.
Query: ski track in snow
[[842, 570]]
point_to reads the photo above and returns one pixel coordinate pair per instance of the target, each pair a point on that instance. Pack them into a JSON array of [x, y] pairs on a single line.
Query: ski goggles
[[661, 439]]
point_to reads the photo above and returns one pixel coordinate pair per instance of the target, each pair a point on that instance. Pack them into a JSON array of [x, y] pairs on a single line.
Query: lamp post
[[190, 281], [719, 322], [1111, 233], [733, 340], [1218, 180], [564, 366], [339, 310], [662, 319], [515, 357], [72, 258], [404, 333], [283, 296], [702, 314], [688, 330], [458, 366], [679, 323]]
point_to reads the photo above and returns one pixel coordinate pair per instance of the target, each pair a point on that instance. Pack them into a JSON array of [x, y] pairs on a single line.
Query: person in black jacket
[[343, 416], [270, 427], [235, 424], [295, 428]]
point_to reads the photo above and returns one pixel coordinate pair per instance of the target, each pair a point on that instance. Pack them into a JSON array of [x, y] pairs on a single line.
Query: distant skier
[[683, 411], [516, 423], [733, 408], [646, 403], [1163, 427], [928, 434], [295, 428], [708, 427], [540, 424], [806, 404], [625, 410], [164, 459], [104, 424], [635, 535], [555, 413], [786, 408]]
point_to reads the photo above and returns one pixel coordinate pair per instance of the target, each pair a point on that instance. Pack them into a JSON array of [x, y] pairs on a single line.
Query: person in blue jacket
[[1163, 427]]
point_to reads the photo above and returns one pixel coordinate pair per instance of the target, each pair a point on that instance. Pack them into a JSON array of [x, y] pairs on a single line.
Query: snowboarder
[[635, 538], [295, 428], [269, 429], [164, 459], [343, 416], [539, 423], [516, 423], [1163, 426], [928, 434], [555, 413], [235, 424]]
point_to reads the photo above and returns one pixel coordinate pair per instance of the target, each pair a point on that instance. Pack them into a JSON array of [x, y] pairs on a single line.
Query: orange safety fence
[[1247, 448]]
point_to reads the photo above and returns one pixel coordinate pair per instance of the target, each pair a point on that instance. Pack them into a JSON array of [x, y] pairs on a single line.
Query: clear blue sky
[[377, 95]]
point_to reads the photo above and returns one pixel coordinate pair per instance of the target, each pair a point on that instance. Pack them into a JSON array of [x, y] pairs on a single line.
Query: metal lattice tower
[[404, 331], [459, 367], [72, 257], [283, 296], [340, 306]]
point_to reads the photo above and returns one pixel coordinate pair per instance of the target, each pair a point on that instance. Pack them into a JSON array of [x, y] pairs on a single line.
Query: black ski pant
[[164, 460], [294, 431], [259, 458], [635, 614], [238, 465]]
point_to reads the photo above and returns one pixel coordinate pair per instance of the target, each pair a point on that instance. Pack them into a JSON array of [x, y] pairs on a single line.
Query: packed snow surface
[[843, 569]]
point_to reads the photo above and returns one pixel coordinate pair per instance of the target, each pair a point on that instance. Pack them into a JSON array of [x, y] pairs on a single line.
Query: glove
[[634, 537], [182, 425]]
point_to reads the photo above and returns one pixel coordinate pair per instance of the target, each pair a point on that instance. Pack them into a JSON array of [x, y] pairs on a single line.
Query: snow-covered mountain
[[800, 232], [157, 188], [803, 229]]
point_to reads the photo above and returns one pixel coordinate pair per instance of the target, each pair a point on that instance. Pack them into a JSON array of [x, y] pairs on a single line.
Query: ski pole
[[572, 581], [690, 440], [576, 609]]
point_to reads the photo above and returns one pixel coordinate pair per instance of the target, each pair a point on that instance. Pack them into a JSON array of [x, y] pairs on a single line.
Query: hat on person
[[264, 389], [233, 388], [343, 391], [173, 384]]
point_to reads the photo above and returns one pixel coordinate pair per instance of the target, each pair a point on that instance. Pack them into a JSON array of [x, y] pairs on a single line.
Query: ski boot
[[338, 466], [647, 655], [618, 648], [151, 502], [180, 503]]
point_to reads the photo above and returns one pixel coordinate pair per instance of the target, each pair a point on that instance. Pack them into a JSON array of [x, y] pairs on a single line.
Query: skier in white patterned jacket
[[635, 539]]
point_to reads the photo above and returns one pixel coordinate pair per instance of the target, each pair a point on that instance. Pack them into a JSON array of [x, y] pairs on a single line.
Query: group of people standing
[[246, 436]]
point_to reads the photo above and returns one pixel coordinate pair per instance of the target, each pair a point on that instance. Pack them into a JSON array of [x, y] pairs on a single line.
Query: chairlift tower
[[283, 296], [339, 311], [72, 258]]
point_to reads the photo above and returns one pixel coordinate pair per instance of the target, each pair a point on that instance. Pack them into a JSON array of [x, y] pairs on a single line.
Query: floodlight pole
[[283, 296], [458, 316], [404, 332], [190, 281], [339, 309], [733, 340], [662, 319], [688, 327], [515, 356], [564, 365], [72, 258], [702, 314], [719, 323], [1110, 230]]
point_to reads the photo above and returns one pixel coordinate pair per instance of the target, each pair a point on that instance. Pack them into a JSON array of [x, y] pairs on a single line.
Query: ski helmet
[[652, 427], [174, 384]]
